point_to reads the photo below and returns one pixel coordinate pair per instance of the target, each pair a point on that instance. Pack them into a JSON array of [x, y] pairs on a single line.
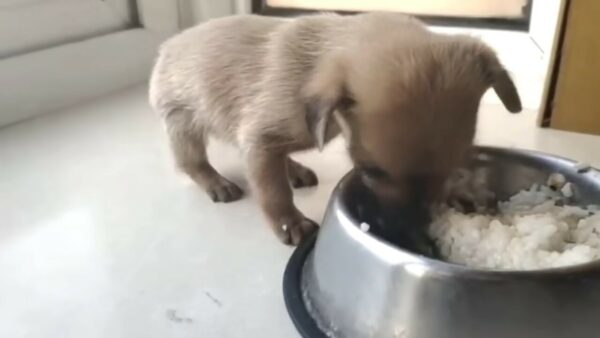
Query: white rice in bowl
[[532, 230]]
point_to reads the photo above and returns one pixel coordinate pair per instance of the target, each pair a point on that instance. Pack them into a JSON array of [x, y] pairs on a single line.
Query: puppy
[[404, 98]]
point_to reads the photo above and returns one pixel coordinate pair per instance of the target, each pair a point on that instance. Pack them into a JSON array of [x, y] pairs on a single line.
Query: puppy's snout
[[418, 190], [415, 193], [410, 215]]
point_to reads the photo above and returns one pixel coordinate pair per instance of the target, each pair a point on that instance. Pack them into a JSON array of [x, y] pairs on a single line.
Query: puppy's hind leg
[[188, 142]]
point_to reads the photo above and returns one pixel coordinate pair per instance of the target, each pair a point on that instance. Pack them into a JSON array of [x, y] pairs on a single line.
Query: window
[[507, 13]]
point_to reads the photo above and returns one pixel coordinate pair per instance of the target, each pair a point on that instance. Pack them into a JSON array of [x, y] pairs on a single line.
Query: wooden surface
[[577, 96]]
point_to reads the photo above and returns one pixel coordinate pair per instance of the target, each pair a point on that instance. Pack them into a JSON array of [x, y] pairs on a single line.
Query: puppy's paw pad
[[301, 177], [224, 191], [293, 233]]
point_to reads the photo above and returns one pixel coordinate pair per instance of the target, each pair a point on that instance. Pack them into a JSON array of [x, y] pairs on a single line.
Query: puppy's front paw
[[225, 191], [295, 230], [301, 176]]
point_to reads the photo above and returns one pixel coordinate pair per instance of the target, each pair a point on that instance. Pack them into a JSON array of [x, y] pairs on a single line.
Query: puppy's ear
[[325, 99], [319, 119], [498, 78]]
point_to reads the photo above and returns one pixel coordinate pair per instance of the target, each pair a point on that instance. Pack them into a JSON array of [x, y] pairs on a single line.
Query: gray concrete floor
[[102, 237]]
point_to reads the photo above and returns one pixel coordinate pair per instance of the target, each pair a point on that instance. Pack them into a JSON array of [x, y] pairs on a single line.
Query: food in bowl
[[534, 229]]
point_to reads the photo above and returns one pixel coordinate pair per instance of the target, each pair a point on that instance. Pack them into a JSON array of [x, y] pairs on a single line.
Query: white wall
[[71, 58], [54, 76], [29, 25], [243, 6], [195, 11]]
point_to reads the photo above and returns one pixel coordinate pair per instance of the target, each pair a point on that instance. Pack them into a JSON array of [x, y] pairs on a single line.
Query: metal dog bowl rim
[[443, 267], [292, 291]]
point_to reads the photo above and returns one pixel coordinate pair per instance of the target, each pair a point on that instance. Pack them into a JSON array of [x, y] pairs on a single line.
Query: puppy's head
[[408, 113]]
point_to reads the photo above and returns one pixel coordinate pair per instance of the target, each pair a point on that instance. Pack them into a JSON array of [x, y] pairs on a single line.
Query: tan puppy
[[405, 99]]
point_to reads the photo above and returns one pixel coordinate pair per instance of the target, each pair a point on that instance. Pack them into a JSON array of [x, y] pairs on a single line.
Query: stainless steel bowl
[[357, 284]]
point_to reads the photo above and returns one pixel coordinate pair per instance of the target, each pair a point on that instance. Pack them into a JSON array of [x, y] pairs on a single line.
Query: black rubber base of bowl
[[292, 291]]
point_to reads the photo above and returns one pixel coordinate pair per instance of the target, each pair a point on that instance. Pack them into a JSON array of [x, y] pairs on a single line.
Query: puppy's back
[[252, 67], [217, 58]]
